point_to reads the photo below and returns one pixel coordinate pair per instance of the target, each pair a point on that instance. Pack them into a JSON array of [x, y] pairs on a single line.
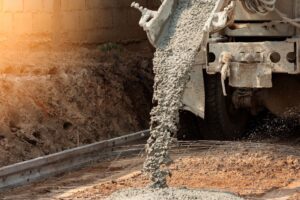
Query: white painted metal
[[261, 30]]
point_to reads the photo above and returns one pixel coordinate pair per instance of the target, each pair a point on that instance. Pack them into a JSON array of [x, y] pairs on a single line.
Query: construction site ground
[[268, 169], [52, 100]]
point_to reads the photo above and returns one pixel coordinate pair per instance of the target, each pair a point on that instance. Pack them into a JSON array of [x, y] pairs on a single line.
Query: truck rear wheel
[[222, 120], [188, 128]]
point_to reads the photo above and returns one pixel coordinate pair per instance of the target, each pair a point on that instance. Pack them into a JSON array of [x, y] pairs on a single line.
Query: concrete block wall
[[71, 21]]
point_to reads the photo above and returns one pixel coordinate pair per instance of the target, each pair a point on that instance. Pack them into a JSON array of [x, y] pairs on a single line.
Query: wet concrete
[[171, 194], [172, 63]]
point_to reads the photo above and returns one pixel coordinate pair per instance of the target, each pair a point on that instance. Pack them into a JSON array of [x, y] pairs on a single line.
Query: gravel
[[174, 57]]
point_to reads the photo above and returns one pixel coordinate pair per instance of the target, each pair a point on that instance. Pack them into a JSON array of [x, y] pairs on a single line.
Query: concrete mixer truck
[[249, 63]]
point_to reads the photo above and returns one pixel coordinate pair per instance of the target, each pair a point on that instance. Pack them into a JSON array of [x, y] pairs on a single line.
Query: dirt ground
[[55, 99], [251, 170], [51, 100]]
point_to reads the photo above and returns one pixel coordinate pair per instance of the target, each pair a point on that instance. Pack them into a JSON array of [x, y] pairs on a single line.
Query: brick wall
[[72, 21]]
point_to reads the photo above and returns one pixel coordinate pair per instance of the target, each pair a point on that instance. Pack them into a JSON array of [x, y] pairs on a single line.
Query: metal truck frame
[[249, 61]]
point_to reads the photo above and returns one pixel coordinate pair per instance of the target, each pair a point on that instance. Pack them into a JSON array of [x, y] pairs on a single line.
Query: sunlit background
[[69, 21]]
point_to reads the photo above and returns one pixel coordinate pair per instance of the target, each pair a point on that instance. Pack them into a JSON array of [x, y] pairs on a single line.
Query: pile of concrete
[[171, 194]]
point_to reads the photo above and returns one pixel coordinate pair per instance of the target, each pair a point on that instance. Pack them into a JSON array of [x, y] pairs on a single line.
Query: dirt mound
[[51, 100]]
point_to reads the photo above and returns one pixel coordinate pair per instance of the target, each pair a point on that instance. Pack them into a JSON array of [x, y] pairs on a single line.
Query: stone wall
[[70, 21]]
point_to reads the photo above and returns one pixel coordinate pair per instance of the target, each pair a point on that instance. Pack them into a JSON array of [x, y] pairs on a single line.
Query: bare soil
[[52, 100], [250, 170], [55, 99]]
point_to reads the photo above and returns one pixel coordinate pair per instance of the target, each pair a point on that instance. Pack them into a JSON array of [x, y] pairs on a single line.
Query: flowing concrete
[[174, 57]]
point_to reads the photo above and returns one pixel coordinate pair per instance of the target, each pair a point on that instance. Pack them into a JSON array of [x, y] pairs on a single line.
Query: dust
[[173, 59], [170, 194], [55, 99]]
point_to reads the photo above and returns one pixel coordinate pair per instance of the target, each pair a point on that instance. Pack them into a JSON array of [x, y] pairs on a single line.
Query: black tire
[[188, 128], [222, 120]]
